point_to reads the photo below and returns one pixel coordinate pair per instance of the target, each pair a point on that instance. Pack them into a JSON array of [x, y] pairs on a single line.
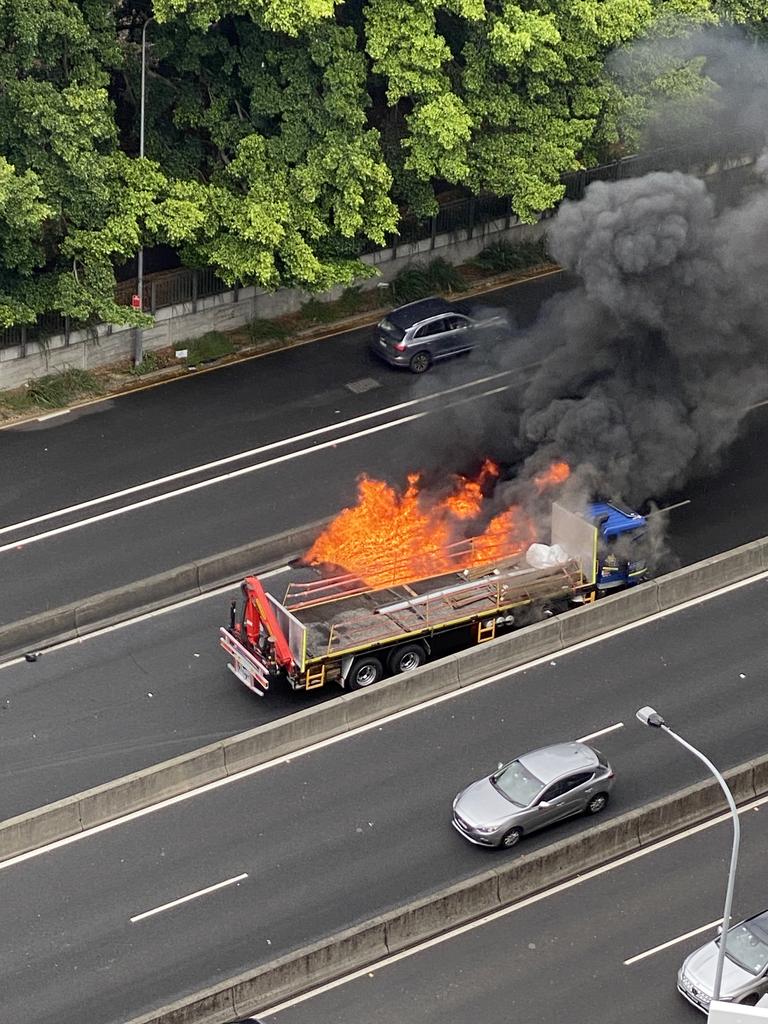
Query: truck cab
[[620, 556]]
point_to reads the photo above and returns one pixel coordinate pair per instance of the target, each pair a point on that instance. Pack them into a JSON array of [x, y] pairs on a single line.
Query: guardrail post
[[23, 342], [153, 297], [66, 331], [235, 291], [195, 283], [433, 234]]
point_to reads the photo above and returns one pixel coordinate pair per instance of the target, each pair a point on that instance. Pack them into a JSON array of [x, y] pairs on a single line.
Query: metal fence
[[471, 214]]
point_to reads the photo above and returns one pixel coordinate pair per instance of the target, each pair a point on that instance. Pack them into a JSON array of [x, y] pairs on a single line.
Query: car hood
[[481, 804], [700, 970]]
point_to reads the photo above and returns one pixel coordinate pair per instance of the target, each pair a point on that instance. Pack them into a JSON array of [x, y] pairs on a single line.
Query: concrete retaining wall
[[333, 718], [513, 880], [231, 310]]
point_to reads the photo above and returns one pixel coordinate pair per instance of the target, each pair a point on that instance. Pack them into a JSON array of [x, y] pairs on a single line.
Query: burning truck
[[387, 586]]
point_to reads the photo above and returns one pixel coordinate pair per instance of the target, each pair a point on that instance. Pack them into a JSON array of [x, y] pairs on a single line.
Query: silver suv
[[745, 970], [531, 792], [416, 335]]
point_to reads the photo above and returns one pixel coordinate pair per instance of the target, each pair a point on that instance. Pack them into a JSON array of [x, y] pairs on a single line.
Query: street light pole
[[138, 339], [652, 718]]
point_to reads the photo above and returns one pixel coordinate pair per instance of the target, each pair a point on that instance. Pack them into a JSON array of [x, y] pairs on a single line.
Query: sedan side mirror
[[499, 766]]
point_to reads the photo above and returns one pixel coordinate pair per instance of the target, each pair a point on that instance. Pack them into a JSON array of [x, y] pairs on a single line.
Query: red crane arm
[[258, 610]]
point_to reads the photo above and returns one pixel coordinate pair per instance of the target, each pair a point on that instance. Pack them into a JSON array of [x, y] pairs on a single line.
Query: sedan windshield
[[747, 949], [517, 784]]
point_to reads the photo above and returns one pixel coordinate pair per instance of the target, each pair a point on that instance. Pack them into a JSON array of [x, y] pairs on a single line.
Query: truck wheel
[[406, 658], [364, 672], [420, 363]]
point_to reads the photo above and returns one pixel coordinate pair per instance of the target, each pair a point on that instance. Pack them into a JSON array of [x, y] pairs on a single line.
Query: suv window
[[433, 327], [456, 323]]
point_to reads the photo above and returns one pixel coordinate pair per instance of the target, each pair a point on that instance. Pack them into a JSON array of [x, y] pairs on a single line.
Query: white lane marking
[[757, 405], [186, 899], [601, 732], [204, 467], [672, 942], [234, 474], [228, 588], [506, 911], [52, 415], [377, 723]]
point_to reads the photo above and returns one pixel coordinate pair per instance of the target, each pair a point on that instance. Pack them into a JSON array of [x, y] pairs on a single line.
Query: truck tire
[[364, 672], [406, 658]]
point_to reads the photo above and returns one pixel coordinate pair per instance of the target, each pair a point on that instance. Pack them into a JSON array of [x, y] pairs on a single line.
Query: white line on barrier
[[672, 942], [505, 911], [375, 724], [217, 463], [601, 732], [228, 588], [53, 415], [334, 442], [191, 896]]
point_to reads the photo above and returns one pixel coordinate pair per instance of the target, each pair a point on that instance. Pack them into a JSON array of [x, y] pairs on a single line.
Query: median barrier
[[154, 592], [696, 803], [760, 775], [284, 736], [230, 565], [37, 828], [404, 691], [151, 785], [506, 652], [213, 1006], [321, 961], [710, 574], [36, 630], [609, 613], [425, 918]]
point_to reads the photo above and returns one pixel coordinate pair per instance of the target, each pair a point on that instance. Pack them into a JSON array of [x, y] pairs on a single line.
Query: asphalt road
[[361, 824], [563, 957], [129, 487], [281, 401]]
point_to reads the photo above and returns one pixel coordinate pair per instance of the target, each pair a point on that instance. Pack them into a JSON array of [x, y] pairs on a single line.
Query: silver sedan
[[531, 792]]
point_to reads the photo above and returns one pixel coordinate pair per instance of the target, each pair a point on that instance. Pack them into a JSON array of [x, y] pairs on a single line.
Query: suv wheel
[[420, 363]]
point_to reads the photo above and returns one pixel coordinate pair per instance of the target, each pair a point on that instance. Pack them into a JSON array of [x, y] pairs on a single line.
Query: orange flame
[[557, 473], [393, 537]]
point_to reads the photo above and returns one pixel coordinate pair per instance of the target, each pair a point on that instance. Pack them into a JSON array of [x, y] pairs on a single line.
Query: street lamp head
[[649, 717]]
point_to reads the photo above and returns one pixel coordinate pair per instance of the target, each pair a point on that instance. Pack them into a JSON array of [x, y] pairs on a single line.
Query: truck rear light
[[400, 346]]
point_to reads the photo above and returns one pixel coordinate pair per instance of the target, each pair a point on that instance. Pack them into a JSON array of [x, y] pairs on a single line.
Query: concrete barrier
[[321, 961], [213, 1006], [282, 737], [609, 613], [444, 910], [718, 571], [458, 904], [402, 692], [37, 828], [696, 803], [146, 595], [33, 632], [151, 785], [261, 554], [506, 652]]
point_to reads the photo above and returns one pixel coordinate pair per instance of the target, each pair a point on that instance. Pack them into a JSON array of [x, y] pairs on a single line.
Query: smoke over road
[[659, 351]]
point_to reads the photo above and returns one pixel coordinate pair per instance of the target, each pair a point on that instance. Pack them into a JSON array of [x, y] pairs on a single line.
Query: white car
[[745, 968]]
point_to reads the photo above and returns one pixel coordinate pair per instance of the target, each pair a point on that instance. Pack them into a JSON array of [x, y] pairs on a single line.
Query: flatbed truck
[[331, 628]]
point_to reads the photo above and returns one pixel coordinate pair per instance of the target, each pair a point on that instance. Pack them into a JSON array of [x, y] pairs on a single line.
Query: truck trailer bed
[[357, 618]]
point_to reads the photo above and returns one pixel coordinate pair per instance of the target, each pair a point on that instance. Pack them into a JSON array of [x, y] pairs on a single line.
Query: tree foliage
[[281, 134]]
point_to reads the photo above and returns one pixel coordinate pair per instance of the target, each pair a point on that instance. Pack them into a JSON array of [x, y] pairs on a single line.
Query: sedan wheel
[[512, 838], [598, 803]]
